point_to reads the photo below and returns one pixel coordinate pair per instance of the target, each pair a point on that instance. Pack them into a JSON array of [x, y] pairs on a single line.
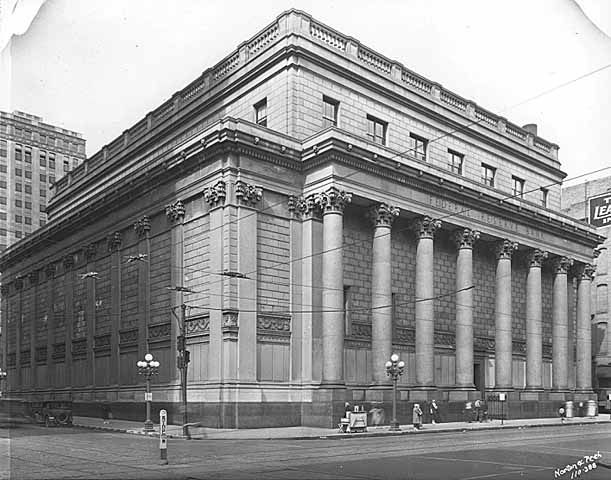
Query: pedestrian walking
[[478, 410], [562, 414], [417, 416], [434, 411], [106, 414], [468, 412]]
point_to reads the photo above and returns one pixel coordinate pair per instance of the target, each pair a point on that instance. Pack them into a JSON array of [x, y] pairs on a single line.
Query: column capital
[[50, 270], [175, 211], [216, 194], [425, 227], [383, 215], [68, 262], [34, 277], [302, 206], [585, 271], [248, 194], [535, 257], [332, 200], [142, 226], [561, 264], [90, 251], [114, 242], [503, 249], [465, 237], [18, 282]]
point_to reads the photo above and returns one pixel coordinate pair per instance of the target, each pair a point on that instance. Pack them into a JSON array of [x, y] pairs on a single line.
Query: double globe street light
[[148, 367], [394, 369]]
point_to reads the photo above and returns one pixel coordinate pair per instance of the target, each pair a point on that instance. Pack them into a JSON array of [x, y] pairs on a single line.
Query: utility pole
[[183, 365]]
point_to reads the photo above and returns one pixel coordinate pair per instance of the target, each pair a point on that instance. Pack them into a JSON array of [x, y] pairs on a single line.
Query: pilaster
[[114, 247], [18, 334], [50, 279], [69, 285], [142, 227], [90, 252]]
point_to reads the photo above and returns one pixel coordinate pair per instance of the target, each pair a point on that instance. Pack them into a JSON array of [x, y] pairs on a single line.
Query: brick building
[[365, 209], [591, 202]]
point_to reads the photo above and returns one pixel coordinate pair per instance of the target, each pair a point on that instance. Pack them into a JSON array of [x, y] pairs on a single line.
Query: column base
[[380, 393], [423, 393], [327, 406], [534, 388]]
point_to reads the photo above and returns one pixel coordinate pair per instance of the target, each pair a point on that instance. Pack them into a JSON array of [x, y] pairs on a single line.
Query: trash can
[[581, 410], [568, 407], [591, 408]]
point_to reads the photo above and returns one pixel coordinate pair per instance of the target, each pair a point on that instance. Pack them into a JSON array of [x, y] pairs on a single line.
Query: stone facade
[[278, 199]]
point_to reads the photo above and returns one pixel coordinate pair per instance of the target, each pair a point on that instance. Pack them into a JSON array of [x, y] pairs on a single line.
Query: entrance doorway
[[478, 378]]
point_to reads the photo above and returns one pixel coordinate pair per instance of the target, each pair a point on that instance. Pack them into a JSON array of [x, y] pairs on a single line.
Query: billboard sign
[[600, 211]]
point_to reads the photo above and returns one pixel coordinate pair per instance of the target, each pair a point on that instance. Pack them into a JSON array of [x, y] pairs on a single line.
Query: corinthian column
[[464, 239], [583, 383], [381, 290], [560, 325], [425, 362], [503, 351], [534, 335], [332, 203]]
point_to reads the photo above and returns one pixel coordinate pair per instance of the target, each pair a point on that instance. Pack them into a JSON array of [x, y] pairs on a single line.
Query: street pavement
[[547, 452]]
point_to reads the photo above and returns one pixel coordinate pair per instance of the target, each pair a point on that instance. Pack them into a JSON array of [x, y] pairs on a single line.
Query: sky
[[98, 66]]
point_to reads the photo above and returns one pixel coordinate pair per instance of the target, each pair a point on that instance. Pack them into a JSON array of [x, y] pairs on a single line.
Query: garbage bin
[[581, 410], [591, 408], [568, 407]]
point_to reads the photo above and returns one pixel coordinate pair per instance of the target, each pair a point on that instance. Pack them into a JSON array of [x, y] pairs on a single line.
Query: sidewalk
[[302, 433]]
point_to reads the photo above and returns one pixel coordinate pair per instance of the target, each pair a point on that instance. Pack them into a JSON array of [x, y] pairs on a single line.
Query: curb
[[342, 436]]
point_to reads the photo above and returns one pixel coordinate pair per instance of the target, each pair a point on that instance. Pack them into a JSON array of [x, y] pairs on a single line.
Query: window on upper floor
[[51, 179], [18, 172], [261, 113], [66, 166], [488, 174], [455, 162], [27, 205], [28, 188], [18, 234], [3, 148], [43, 192], [420, 146], [27, 220], [3, 184], [602, 298], [52, 161], [2, 200], [330, 108], [18, 202], [42, 158], [43, 177], [18, 219], [376, 130], [3, 169], [544, 195], [42, 222], [18, 187], [28, 155], [28, 174], [517, 186], [3, 216], [18, 153]]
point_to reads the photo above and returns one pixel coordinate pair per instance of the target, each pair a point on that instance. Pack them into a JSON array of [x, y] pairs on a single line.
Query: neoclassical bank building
[[313, 207]]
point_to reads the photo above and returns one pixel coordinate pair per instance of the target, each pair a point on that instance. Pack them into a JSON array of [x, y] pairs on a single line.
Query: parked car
[[53, 412]]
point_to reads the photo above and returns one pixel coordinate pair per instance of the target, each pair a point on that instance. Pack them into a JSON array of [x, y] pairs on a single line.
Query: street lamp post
[[394, 369], [3, 375], [148, 367]]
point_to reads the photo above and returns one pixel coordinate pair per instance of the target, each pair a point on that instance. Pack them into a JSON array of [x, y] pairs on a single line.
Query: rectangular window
[[51, 141], [18, 153], [18, 187], [42, 222], [2, 200], [42, 158], [376, 130], [28, 205], [517, 187], [18, 234], [3, 148], [28, 188], [42, 138], [18, 219], [261, 113], [43, 177], [28, 155], [28, 134], [43, 192], [488, 174], [74, 163], [28, 220], [18, 172], [420, 145], [455, 162], [3, 184], [42, 208], [18, 132], [329, 112], [52, 161], [3, 232], [2, 215], [544, 192], [51, 179], [28, 174], [3, 169], [18, 202], [66, 166]]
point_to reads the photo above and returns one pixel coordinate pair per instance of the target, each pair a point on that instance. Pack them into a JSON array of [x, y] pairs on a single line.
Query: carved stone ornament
[[273, 323], [216, 194], [597, 251], [4, 289], [90, 251], [247, 194], [405, 335], [383, 215], [333, 200], [199, 325], [160, 330], [142, 226], [50, 270], [230, 318], [425, 227], [585, 271], [360, 330], [561, 265], [302, 206], [59, 351], [536, 257], [33, 277], [465, 237], [175, 211], [68, 262], [114, 242], [18, 283], [504, 249]]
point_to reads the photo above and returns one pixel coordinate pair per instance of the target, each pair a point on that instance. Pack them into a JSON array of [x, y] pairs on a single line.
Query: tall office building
[[33, 155]]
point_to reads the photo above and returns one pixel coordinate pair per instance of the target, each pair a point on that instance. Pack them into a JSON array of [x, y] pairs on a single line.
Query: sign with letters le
[[600, 211]]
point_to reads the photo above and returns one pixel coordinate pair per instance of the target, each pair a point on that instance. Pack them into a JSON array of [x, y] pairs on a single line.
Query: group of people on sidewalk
[[417, 414], [473, 412]]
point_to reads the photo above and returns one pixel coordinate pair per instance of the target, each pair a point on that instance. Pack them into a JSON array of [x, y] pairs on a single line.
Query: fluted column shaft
[[464, 240], [534, 328], [503, 347], [584, 330], [425, 360], [332, 203], [381, 290], [560, 324]]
